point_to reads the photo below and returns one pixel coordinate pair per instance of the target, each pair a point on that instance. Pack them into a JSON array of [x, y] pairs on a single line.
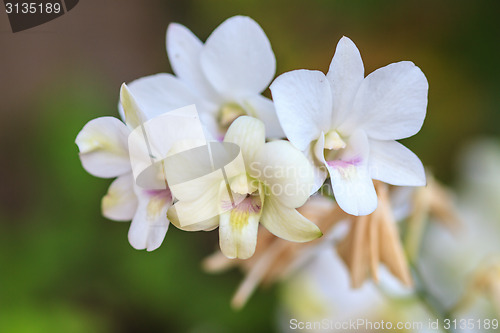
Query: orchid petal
[[285, 171], [320, 171], [393, 163], [150, 224], [237, 57], [249, 134], [238, 232], [206, 225], [391, 102], [104, 148], [161, 93], [303, 102], [184, 50], [345, 76], [287, 223], [351, 182], [210, 127], [134, 116], [198, 212], [120, 203], [263, 108]]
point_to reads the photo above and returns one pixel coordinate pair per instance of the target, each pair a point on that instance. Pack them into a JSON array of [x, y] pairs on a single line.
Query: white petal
[[206, 225], [134, 116], [353, 190], [103, 147], [150, 224], [193, 188], [150, 144], [249, 134], [184, 50], [204, 207], [263, 108], [287, 223], [211, 127], [120, 203], [320, 171], [345, 75], [285, 171], [393, 163], [237, 57], [303, 103], [196, 173], [351, 182], [391, 102], [238, 233], [160, 93]]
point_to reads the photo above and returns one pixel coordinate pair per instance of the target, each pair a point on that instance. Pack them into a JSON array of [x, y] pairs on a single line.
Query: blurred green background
[[65, 268]]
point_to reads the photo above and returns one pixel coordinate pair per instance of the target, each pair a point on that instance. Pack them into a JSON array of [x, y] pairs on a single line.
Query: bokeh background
[[65, 268]]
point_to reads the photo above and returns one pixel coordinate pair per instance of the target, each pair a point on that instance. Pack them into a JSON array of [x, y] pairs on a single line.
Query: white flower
[[103, 145], [454, 260], [224, 77], [348, 124], [319, 291], [276, 179]]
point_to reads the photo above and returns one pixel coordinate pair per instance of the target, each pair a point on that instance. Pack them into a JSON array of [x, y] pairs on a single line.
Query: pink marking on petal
[[160, 194], [226, 205], [242, 203], [345, 164], [250, 204]]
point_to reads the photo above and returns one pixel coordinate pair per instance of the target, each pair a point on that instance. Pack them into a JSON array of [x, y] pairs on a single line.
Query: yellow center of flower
[[333, 141], [251, 205], [228, 113], [243, 184], [244, 199], [239, 218], [333, 144]]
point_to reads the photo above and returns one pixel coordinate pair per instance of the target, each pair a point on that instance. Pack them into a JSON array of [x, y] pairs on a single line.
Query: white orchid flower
[[276, 179], [103, 145], [347, 124], [224, 77], [320, 291]]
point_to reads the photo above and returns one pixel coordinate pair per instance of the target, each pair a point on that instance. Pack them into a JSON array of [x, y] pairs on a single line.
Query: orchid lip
[[157, 201], [250, 203], [340, 164], [163, 193]]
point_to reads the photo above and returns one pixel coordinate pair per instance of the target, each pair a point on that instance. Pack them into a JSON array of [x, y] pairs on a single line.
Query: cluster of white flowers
[[341, 125]]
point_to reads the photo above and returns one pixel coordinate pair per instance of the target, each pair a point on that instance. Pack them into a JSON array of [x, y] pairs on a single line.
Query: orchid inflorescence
[[341, 126]]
